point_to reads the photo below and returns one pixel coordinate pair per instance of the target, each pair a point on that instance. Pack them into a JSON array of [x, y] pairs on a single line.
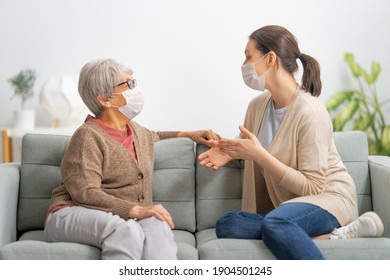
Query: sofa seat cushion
[[211, 248], [32, 235], [186, 251], [355, 249], [182, 236], [186, 245], [206, 235], [32, 246], [40, 250]]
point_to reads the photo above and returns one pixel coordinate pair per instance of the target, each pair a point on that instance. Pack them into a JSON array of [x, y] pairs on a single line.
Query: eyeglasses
[[131, 83]]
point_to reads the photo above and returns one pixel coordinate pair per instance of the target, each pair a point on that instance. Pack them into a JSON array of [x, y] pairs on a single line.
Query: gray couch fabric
[[195, 196]]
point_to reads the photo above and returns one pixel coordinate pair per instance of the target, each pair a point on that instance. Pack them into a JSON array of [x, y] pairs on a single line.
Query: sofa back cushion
[[218, 191], [353, 149], [221, 191], [173, 180], [39, 174]]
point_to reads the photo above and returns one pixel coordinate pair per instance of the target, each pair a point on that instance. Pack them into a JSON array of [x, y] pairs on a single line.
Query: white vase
[[24, 119], [59, 97]]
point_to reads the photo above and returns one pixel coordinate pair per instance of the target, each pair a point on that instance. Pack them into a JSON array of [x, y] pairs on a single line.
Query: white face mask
[[134, 103], [250, 77]]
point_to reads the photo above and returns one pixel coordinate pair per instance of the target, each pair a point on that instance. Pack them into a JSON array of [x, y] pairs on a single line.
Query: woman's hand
[[158, 211], [225, 150], [205, 137], [248, 148], [214, 158]]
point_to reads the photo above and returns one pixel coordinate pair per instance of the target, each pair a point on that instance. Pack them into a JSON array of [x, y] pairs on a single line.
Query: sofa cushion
[[353, 149], [217, 191], [173, 179], [211, 248], [234, 249], [32, 245], [355, 249], [40, 250], [9, 187], [39, 174]]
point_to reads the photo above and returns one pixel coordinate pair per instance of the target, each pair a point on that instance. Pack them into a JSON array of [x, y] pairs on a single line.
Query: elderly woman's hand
[[205, 137], [158, 211]]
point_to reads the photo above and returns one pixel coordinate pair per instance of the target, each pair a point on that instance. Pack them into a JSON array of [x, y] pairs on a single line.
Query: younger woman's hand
[[248, 148], [214, 158]]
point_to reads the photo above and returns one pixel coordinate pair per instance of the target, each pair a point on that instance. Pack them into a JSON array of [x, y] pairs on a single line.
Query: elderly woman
[[105, 198]]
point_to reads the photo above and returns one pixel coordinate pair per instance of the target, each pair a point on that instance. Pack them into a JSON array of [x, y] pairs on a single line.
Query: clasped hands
[[224, 150]]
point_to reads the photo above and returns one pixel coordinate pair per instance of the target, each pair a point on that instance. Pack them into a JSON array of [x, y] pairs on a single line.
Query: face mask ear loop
[[112, 105], [266, 71], [254, 63], [260, 59]]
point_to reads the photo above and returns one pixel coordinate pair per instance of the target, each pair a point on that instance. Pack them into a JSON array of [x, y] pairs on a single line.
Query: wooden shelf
[[10, 134]]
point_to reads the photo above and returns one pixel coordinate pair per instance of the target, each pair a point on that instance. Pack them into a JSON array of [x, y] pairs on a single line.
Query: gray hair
[[97, 78]]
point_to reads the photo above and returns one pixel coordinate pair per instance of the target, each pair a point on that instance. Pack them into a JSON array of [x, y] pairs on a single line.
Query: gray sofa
[[194, 195]]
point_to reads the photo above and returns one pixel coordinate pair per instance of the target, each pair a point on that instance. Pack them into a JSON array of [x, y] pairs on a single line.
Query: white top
[[270, 124]]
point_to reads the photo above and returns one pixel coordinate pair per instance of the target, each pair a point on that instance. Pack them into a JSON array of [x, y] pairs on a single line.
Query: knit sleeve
[[161, 135], [157, 135], [82, 168]]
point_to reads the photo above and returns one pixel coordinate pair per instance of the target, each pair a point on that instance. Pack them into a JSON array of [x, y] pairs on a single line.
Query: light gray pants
[[147, 239]]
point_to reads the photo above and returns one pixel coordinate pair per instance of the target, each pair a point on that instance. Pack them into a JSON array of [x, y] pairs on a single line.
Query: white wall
[[186, 54]]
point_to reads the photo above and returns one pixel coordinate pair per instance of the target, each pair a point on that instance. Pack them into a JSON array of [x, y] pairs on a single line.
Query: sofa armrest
[[380, 188], [9, 191]]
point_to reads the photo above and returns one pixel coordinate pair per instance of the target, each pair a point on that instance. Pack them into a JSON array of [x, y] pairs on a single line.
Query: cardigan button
[[140, 176], [140, 198]]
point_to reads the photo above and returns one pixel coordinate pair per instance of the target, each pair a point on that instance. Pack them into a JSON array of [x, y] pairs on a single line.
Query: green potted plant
[[361, 108], [23, 86]]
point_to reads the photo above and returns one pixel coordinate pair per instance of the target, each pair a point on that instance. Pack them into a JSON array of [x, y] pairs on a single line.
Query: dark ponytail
[[311, 80], [283, 43]]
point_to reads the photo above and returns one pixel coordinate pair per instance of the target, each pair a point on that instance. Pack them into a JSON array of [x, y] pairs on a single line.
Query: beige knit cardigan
[[315, 172], [98, 172]]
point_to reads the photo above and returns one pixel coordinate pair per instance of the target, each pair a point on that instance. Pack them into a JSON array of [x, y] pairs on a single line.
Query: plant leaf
[[362, 123], [337, 99], [23, 83], [372, 149], [355, 68], [345, 115], [375, 71], [365, 75], [385, 140]]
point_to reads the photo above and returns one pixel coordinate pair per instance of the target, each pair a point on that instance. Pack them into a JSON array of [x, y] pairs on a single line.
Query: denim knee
[[225, 225], [272, 226], [286, 240]]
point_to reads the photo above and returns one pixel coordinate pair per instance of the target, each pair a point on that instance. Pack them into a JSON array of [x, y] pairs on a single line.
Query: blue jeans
[[286, 230]]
